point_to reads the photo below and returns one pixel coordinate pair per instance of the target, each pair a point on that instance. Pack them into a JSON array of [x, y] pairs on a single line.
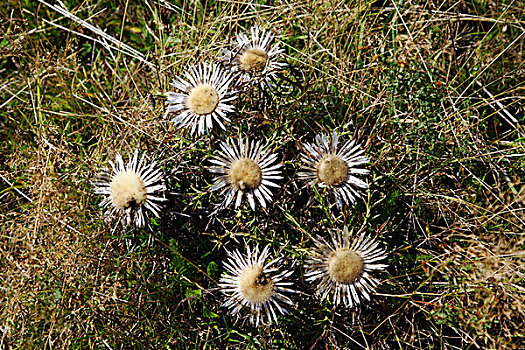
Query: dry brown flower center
[[245, 174], [253, 60], [255, 285], [345, 266], [128, 190], [203, 99], [332, 170]]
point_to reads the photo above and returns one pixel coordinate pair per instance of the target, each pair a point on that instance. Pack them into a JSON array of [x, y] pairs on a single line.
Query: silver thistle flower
[[256, 58], [246, 170], [254, 282], [204, 98], [129, 189], [344, 267], [327, 166]]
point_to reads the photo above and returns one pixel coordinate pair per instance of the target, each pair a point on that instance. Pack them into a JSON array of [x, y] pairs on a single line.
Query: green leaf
[[212, 269], [208, 313], [193, 293]]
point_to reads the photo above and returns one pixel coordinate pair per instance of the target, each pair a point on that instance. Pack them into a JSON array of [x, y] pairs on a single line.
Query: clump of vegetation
[[432, 93]]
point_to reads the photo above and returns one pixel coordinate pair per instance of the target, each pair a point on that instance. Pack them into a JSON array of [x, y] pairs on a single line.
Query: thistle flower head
[[255, 283], [256, 58], [131, 189], [247, 169], [344, 267], [203, 99], [328, 165]]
